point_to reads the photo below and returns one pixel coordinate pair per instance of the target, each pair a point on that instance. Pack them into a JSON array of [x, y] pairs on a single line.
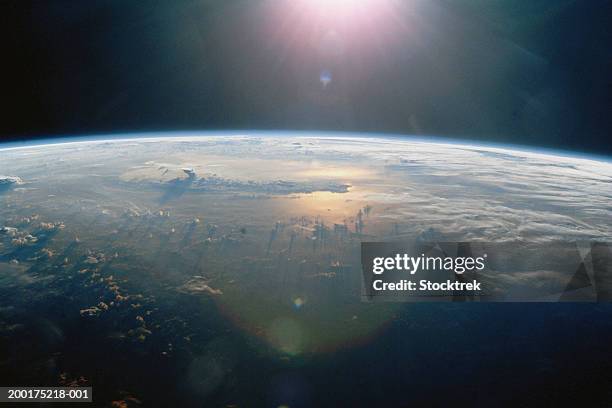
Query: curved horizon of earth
[[216, 264], [422, 171]]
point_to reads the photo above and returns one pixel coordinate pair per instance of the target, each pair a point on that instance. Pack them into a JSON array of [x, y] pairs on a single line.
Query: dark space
[[528, 72]]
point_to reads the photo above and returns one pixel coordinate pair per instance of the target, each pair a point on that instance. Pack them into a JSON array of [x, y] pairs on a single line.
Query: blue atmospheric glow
[[289, 133]]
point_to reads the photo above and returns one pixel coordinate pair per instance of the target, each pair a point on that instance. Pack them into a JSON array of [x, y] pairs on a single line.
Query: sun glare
[[337, 5], [334, 41], [338, 15], [339, 8]]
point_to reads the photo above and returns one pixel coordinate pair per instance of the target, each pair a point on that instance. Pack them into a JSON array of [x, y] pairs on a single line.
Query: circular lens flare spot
[[298, 302], [325, 78]]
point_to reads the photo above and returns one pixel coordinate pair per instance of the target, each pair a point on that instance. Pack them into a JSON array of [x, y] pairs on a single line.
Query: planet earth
[[223, 270]]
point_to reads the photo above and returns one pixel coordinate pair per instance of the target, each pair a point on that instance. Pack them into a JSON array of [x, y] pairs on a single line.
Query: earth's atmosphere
[[224, 271]]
